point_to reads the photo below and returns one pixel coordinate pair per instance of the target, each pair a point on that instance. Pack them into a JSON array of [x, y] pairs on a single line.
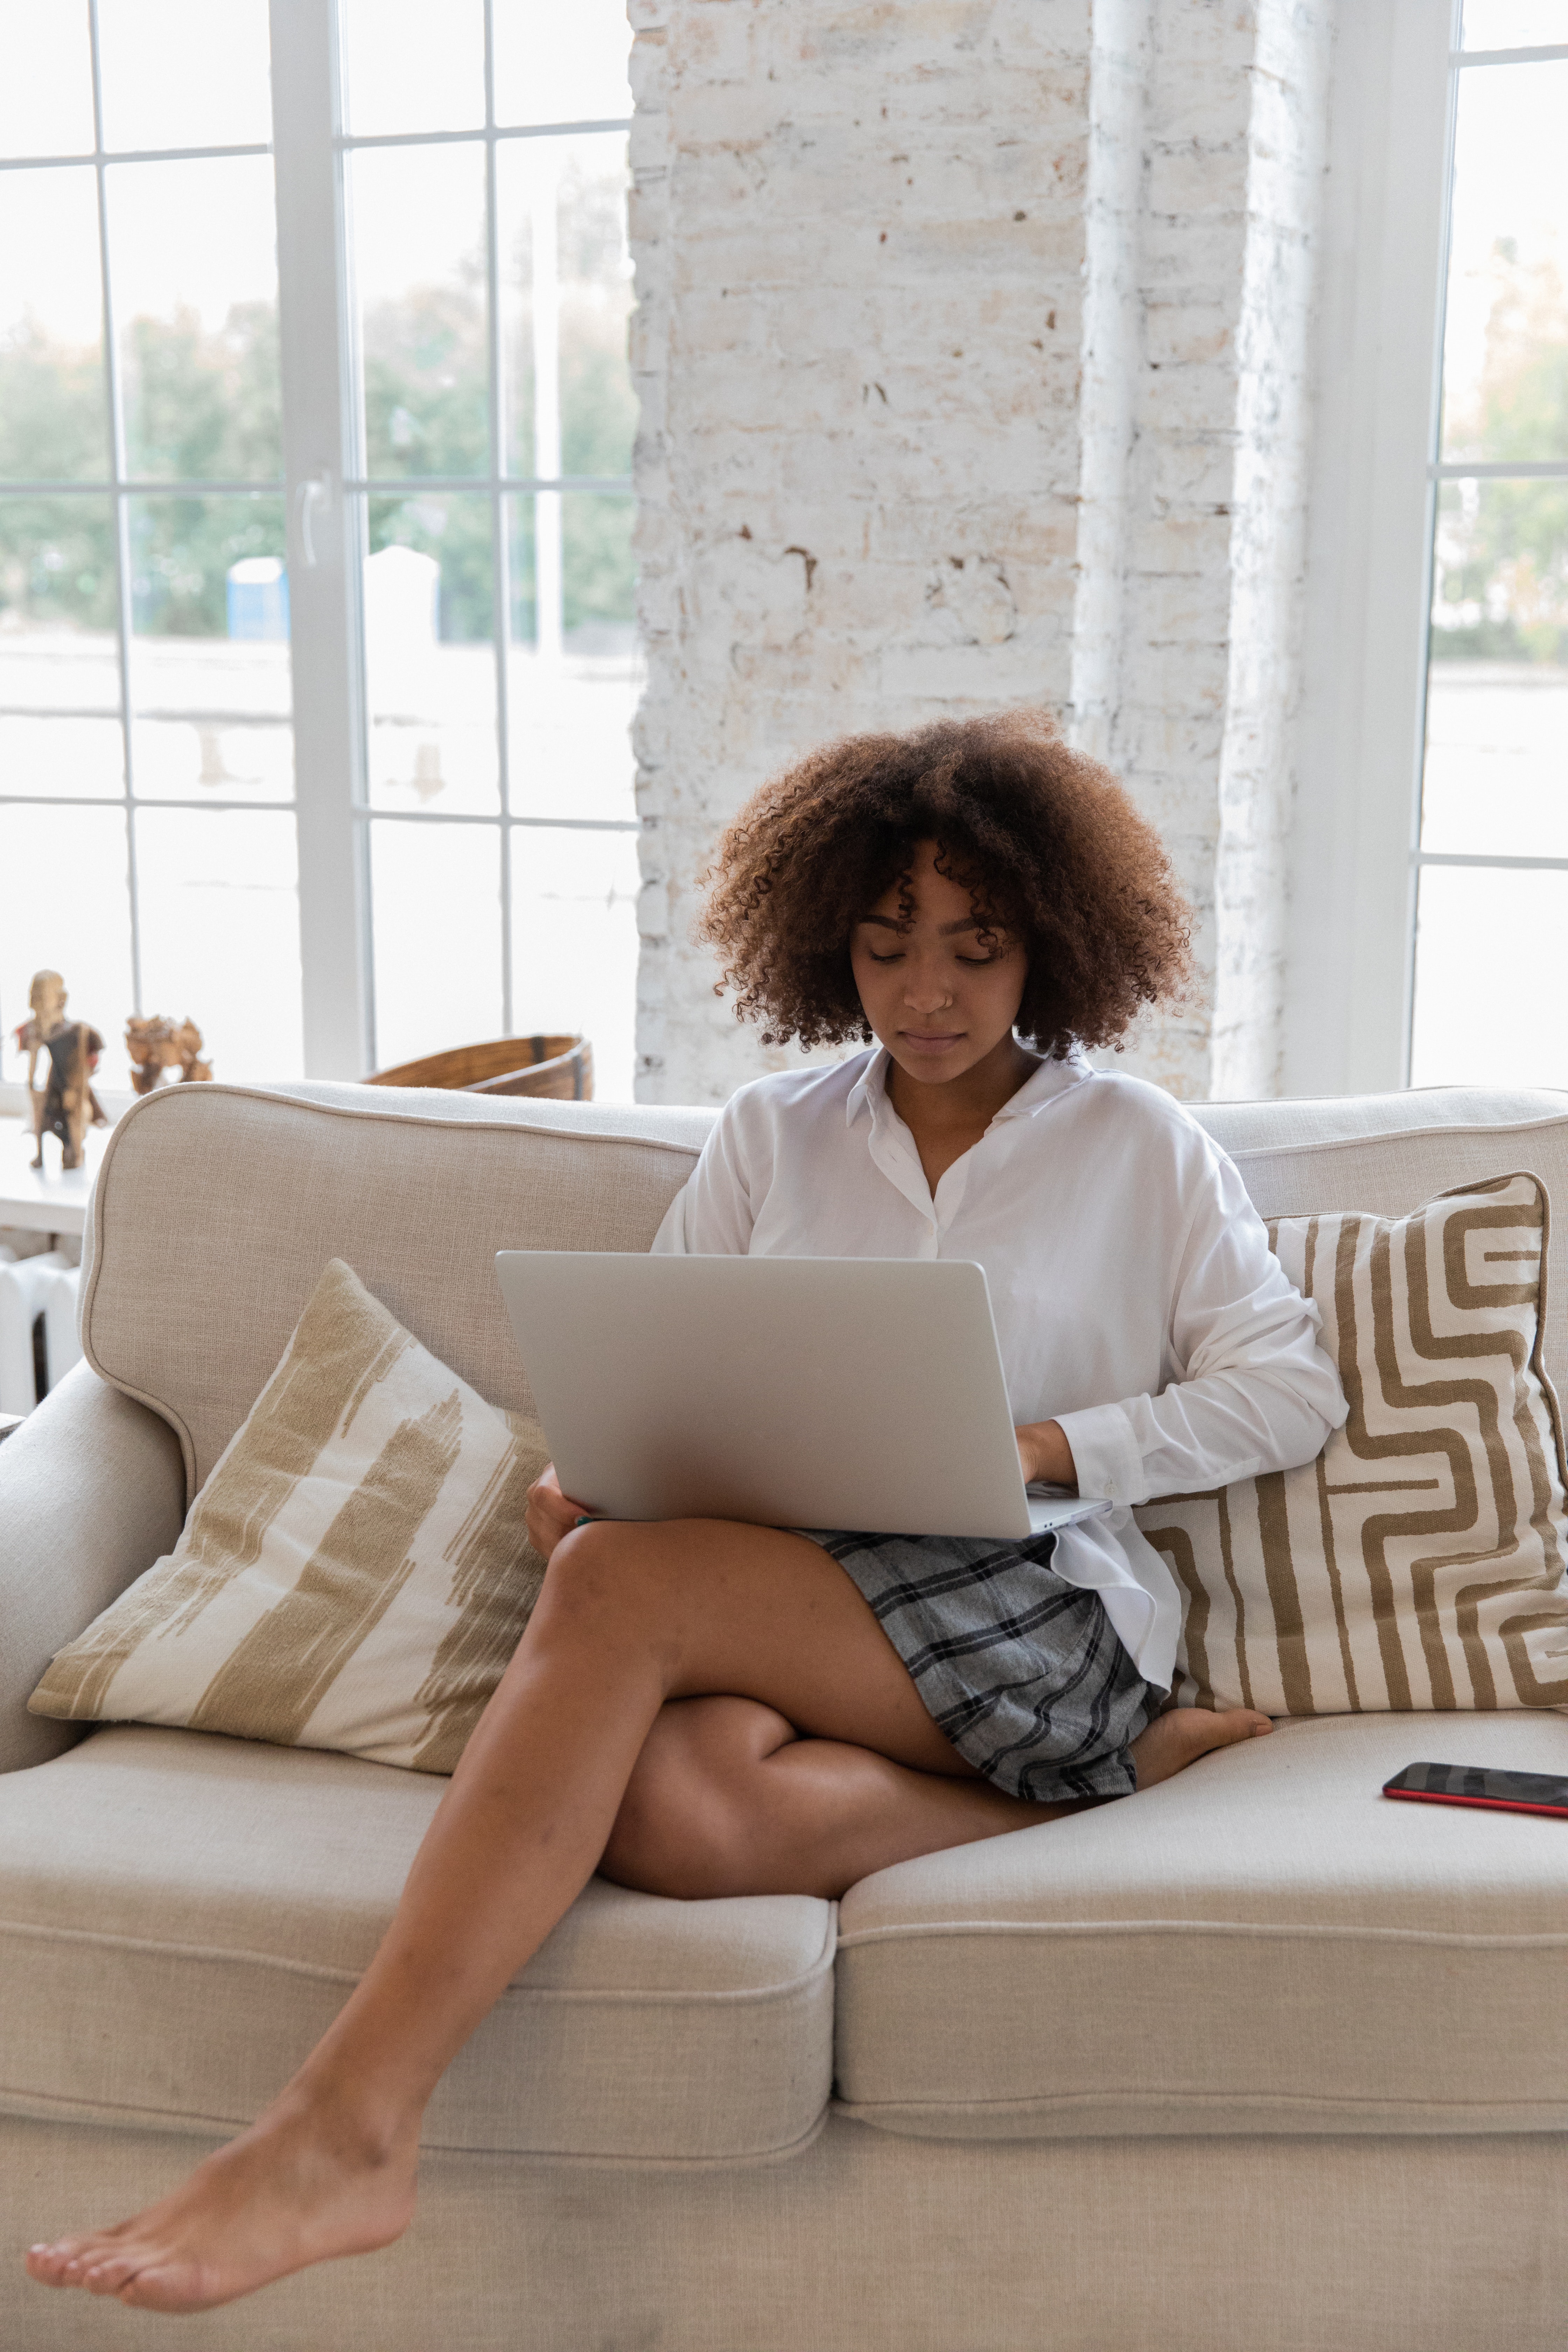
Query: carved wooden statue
[[157, 1044], [65, 1105]]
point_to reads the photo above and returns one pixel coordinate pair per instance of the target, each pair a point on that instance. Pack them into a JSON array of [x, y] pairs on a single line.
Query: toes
[[78, 2262], [1240, 1723], [174, 2286], [57, 2264], [110, 2274]]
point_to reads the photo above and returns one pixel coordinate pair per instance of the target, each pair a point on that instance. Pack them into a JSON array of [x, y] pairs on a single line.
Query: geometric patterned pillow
[[1419, 1561], [355, 1573]]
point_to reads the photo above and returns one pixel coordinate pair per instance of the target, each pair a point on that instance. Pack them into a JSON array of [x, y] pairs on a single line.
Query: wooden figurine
[[157, 1044], [65, 1105]]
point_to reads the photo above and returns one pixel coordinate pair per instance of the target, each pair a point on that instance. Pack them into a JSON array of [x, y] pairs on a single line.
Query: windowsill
[[50, 1200]]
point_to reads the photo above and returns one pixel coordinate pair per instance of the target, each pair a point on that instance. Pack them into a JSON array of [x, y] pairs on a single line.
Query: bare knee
[[605, 1573], [689, 1821]]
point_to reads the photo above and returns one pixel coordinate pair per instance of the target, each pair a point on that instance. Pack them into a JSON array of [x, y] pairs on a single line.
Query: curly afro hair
[[1045, 840]]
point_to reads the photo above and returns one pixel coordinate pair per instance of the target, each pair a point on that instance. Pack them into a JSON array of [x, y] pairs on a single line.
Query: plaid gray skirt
[[1020, 1669]]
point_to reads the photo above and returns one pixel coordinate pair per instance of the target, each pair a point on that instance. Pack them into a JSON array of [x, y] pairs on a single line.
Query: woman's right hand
[[549, 1514]]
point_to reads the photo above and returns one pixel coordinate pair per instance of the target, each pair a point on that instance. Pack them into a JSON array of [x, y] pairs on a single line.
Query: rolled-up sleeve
[[1255, 1389]]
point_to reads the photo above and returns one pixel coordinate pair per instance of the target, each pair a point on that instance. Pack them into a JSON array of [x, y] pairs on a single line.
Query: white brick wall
[[970, 339]]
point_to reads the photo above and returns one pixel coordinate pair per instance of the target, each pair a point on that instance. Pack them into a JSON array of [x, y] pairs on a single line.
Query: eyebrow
[[969, 923]]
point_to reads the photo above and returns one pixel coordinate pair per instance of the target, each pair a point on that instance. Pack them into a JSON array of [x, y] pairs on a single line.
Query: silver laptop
[[861, 1393]]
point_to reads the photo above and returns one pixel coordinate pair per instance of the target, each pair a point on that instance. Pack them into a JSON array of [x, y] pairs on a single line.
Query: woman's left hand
[[1044, 1456], [549, 1514]]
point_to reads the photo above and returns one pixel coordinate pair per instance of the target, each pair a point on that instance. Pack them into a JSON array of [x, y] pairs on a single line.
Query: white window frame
[[326, 489], [320, 445], [1357, 855], [1370, 536], [118, 486]]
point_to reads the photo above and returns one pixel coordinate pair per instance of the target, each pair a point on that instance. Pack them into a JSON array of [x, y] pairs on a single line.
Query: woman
[[706, 1709]]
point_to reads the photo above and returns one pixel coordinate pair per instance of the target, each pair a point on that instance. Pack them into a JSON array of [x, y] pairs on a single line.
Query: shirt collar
[[1052, 1078]]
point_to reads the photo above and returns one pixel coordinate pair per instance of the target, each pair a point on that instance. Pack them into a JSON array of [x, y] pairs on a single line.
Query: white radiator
[[31, 1286]]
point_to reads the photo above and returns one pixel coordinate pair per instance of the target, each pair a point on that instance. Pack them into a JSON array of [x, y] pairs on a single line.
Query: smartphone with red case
[[1478, 1784]]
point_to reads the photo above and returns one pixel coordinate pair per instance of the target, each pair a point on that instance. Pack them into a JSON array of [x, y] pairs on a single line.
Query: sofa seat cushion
[[183, 1914], [1263, 1944]]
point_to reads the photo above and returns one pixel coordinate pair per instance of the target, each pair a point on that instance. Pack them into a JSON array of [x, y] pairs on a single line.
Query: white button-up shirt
[[1135, 1297]]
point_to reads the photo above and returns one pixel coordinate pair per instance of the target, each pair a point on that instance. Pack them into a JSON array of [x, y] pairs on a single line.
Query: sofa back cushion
[[216, 1207]]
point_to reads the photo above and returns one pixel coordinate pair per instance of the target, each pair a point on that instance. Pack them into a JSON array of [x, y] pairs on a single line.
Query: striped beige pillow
[[355, 1574], [1419, 1562]]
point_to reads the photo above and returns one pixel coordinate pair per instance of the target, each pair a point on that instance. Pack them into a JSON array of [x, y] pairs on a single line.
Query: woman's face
[[939, 993]]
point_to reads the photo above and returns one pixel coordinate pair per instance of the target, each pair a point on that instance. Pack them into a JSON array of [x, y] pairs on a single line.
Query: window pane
[[46, 90], [193, 269], [430, 676], [209, 656], [598, 576], [68, 910], [419, 269], [567, 290], [573, 574], [435, 892], [414, 65], [184, 73], [57, 606], [220, 933], [570, 708], [1496, 778], [62, 758], [1492, 973], [1505, 360], [53, 417], [58, 654], [567, 67], [1500, 576], [1514, 24], [574, 944]]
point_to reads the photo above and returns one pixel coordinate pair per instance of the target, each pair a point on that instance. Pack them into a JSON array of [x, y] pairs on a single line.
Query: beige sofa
[[1253, 2060]]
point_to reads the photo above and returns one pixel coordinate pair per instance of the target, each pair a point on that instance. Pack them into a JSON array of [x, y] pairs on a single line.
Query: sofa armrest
[[92, 1491]]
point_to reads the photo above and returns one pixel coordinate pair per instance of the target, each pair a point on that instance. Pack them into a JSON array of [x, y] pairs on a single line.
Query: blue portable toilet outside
[[259, 598]]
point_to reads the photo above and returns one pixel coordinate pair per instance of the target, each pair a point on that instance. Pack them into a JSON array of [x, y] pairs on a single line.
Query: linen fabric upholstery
[[355, 1573], [216, 1208], [91, 1490], [242, 1877], [1419, 1561], [182, 1916], [868, 2243], [1263, 1944]]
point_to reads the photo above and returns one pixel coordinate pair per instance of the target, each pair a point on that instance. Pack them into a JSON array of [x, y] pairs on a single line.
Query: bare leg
[[630, 1617], [727, 1799]]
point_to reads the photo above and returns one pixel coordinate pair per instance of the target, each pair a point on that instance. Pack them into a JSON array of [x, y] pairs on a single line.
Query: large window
[[317, 645], [1491, 952]]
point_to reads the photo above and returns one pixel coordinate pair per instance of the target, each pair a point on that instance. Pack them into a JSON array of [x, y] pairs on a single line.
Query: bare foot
[[300, 2185], [1182, 1734]]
